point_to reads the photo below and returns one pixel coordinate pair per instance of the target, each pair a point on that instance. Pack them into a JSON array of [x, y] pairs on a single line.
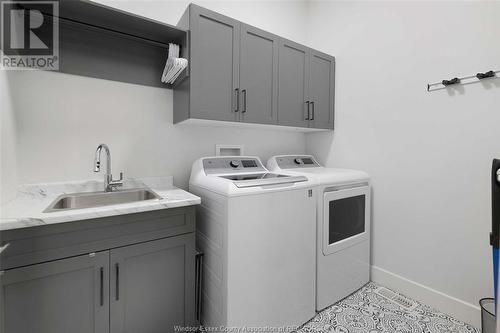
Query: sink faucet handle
[[113, 184], [117, 182]]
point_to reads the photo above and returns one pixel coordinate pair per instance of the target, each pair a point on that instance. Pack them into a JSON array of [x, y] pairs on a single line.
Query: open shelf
[[103, 42]]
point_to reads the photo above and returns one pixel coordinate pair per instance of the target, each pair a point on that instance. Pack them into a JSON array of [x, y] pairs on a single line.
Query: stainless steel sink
[[99, 199]]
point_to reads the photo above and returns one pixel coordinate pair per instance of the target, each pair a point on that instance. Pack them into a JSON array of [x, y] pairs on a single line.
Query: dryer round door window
[[346, 216]]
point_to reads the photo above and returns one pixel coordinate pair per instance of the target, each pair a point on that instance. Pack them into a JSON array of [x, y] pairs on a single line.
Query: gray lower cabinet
[[121, 274], [293, 84], [258, 76], [148, 286], [321, 90], [63, 296]]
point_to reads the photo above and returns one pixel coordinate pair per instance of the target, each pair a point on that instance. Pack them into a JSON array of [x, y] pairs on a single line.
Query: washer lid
[[262, 179]]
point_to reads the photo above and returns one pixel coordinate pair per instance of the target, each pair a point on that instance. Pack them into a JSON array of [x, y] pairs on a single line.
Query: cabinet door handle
[[244, 92], [237, 94], [307, 103], [101, 293], [312, 111], [117, 282]]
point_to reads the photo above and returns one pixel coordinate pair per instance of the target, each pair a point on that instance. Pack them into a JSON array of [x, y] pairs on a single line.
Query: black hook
[[486, 75], [450, 82]]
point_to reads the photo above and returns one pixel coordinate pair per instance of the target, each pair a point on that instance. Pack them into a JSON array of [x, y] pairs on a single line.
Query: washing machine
[[257, 231], [343, 225]]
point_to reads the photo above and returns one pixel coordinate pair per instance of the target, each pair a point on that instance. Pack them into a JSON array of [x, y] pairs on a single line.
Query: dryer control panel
[[299, 161], [238, 164]]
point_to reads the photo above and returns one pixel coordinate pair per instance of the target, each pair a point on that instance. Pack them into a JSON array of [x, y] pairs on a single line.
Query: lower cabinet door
[[152, 286], [61, 296]]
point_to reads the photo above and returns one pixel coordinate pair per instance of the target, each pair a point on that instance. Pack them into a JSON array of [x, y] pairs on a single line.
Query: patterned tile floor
[[367, 312]]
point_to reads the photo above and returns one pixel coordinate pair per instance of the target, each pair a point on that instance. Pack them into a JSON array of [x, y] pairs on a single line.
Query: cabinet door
[[258, 75], [321, 90], [61, 296], [152, 286], [293, 81], [214, 65]]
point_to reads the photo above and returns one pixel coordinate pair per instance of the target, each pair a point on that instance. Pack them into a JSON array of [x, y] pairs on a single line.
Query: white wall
[[8, 147], [429, 153], [286, 18], [62, 118]]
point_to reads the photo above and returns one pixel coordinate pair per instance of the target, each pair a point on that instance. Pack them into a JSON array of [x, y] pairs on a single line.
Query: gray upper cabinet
[[152, 286], [258, 75], [306, 87], [214, 65], [321, 90], [62, 296], [239, 73], [293, 84]]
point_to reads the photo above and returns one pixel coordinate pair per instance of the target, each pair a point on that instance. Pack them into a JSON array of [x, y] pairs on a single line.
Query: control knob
[[297, 161], [234, 163]]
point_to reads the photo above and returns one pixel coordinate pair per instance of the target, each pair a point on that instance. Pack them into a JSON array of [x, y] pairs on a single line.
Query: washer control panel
[[222, 165], [293, 162]]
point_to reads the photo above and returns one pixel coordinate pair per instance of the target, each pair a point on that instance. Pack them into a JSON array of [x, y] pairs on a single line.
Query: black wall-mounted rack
[[103, 42], [462, 80]]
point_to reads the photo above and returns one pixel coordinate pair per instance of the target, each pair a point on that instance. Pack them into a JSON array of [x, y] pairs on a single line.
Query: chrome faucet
[[109, 184]]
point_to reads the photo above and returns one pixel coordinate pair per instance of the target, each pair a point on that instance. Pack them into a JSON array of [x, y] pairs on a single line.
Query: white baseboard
[[455, 307]]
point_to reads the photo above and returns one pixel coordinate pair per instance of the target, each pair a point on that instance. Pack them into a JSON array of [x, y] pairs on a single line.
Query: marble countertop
[[26, 210]]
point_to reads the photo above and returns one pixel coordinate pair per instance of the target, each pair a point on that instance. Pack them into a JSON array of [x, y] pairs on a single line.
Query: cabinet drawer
[[43, 243]]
